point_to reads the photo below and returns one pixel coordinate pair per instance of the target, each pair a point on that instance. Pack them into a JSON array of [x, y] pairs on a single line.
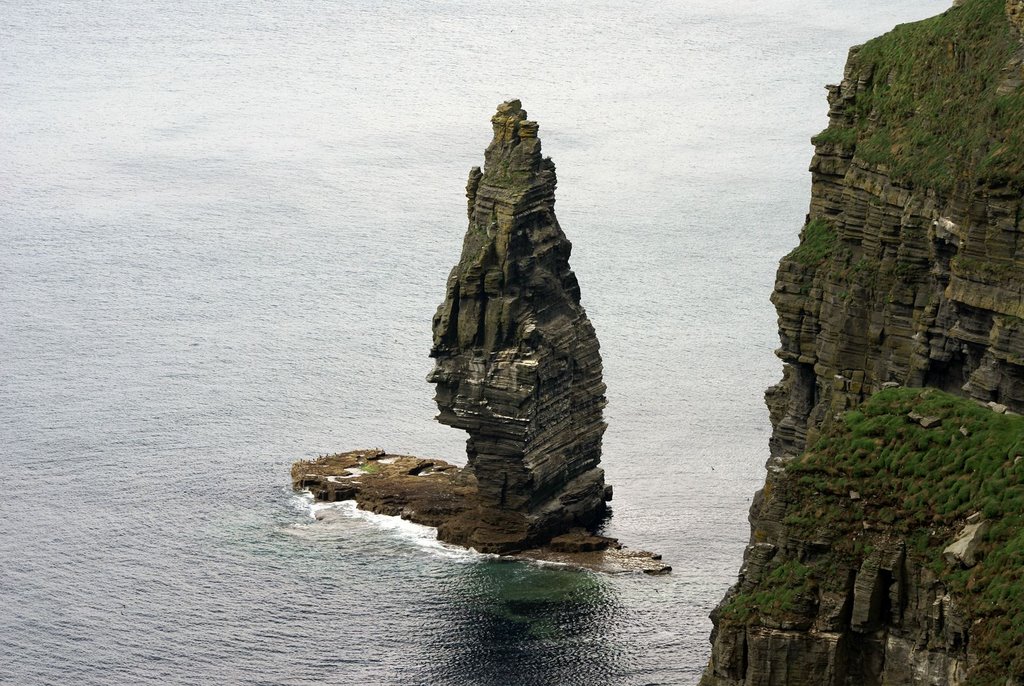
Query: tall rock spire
[[518, 368], [517, 360]]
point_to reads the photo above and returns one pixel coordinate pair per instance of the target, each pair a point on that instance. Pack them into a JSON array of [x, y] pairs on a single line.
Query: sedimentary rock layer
[[914, 278], [910, 272], [517, 367], [517, 360]]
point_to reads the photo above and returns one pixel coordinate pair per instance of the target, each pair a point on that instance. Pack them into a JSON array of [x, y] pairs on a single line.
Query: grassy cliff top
[[931, 108], [920, 485]]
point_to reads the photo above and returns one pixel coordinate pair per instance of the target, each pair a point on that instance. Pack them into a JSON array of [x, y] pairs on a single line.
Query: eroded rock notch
[[517, 360]]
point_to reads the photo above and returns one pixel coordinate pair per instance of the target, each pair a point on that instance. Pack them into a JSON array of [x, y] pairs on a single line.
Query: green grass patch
[[835, 135], [930, 110], [790, 587], [817, 242], [919, 484]]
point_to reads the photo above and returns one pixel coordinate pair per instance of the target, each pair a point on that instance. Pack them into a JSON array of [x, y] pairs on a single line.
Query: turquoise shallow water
[[225, 230]]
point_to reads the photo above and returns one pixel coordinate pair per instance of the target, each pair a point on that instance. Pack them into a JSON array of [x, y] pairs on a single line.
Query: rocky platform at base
[[438, 494]]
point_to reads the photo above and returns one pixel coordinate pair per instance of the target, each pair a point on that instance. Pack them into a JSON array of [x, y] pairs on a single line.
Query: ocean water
[[225, 228]]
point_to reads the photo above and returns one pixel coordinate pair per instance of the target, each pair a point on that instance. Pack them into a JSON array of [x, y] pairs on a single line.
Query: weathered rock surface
[[920, 287], [428, 492], [517, 361], [898, 281], [436, 493], [518, 367], [964, 550], [882, 619]]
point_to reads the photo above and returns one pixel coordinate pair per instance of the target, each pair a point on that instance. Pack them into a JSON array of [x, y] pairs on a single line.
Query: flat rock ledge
[[438, 494]]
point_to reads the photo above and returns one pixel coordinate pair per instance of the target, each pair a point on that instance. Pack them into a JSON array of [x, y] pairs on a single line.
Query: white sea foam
[[339, 514], [350, 473]]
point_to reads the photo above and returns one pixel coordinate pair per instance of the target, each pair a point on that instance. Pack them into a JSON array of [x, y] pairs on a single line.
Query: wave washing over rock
[[885, 546], [518, 367]]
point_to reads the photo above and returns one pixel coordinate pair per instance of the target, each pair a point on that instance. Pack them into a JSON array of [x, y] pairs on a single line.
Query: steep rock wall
[[517, 360], [909, 272]]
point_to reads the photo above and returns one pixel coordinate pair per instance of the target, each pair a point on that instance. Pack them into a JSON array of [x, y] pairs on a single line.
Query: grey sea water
[[225, 227]]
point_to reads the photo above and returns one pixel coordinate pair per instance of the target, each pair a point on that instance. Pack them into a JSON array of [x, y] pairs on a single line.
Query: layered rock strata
[[517, 360], [518, 367], [897, 280], [909, 272]]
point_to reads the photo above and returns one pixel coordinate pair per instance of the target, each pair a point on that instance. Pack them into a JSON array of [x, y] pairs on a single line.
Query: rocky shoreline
[[441, 495]]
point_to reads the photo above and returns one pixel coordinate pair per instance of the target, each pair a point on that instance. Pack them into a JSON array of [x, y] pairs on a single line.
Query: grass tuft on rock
[[817, 242]]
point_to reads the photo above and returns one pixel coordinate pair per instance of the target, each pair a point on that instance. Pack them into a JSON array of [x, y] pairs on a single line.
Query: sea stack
[[517, 360], [517, 367]]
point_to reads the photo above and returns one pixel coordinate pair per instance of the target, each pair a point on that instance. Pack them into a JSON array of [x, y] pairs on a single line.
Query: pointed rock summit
[[517, 360]]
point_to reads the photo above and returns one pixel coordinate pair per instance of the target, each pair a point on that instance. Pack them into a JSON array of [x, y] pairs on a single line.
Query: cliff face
[[517, 360], [909, 272], [891, 552], [909, 268]]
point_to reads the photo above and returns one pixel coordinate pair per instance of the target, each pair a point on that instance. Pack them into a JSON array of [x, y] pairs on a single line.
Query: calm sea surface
[[225, 228]]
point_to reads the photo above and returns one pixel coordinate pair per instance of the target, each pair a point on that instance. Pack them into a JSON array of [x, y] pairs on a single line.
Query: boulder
[[964, 550]]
